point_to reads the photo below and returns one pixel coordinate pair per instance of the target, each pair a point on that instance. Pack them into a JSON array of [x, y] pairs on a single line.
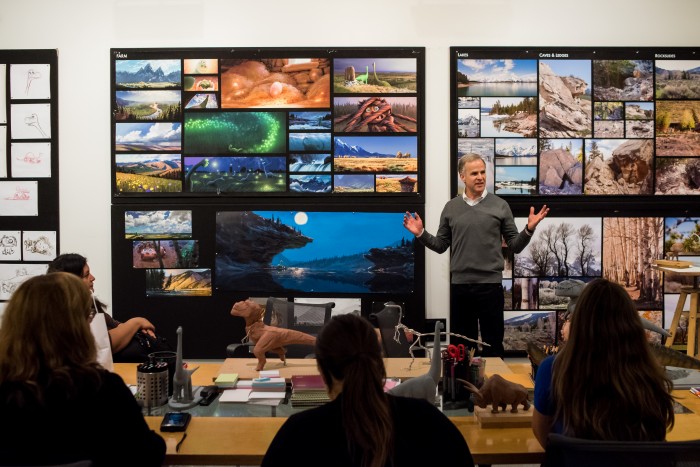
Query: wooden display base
[[506, 419], [667, 263]]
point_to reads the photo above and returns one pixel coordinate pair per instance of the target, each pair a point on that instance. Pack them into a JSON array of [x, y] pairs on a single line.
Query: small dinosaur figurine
[[267, 338], [499, 392], [182, 379]]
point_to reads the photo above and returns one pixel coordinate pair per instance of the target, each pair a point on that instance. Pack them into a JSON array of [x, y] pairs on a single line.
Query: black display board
[[264, 172], [609, 139], [29, 178]]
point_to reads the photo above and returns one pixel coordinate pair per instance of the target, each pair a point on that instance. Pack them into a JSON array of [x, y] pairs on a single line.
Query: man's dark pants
[[472, 305]]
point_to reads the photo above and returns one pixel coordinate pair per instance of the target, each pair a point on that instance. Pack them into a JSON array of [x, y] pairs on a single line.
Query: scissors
[[457, 352]]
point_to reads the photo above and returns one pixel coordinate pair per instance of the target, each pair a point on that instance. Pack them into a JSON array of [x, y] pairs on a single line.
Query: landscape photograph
[[275, 82], [148, 173], [677, 128], [549, 300], [619, 166], [316, 252], [516, 180], [514, 117], [165, 254], [565, 99], [376, 154], [157, 225], [310, 162], [310, 141], [630, 244], [397, 183], [466, 102], [311, 183], [352, 183], [310, 120], [235, 132], [525, 293], [375, 75], [513, 151], [235, 174], [493, 78], [538, 328], [673, 281], [375, 114], [623, 80], [178, 282], [148, 105], [562, 247], [678, 79], [142, 137], [147, 74], [677, 176], [468, 122], [561, 166], [681, 237], [201, 100]]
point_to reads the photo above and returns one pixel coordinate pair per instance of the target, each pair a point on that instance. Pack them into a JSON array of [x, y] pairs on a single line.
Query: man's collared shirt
[[473, 202]]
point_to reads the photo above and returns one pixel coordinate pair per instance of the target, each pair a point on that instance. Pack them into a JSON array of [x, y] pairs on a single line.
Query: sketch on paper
[[30, 121], [13, 274], [3, 95], [19, 198], [3, 151], [30, 81], [9, 245], [38, 245], [30, 160]]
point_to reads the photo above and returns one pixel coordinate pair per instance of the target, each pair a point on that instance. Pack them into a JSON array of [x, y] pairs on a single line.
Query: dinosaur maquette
[[266, 338], [498, 392]]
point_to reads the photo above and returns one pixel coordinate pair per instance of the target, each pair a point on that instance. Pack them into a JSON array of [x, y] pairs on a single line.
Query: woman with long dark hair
[[362, 425], [604, 384], [57, 405]]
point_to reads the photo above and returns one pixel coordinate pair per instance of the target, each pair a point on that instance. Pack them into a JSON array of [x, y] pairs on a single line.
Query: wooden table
[[686, 291], [244, 440]]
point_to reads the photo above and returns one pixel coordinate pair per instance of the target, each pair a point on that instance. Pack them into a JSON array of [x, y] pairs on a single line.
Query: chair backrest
[[386, 320], [305, 317], [574, 452]]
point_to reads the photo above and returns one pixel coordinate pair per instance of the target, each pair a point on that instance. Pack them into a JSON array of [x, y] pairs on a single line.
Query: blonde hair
[[45, 339]]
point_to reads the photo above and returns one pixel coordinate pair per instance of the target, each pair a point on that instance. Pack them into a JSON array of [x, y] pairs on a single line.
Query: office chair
[[564, 451], [304, 317]]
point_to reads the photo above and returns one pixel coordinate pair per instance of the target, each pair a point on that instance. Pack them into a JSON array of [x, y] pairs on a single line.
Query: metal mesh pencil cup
[[152, 384]]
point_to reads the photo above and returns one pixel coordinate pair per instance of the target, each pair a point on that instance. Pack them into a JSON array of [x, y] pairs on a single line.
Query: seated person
[[362, 425], [120, 334], [604, 384], [57, 405]]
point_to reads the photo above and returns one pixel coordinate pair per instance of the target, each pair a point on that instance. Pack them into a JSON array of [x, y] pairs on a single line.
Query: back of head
[[606, 371], [348, 351], [68, 262], [45, 332]]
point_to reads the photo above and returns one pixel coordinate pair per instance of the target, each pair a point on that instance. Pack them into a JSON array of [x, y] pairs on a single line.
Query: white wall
[[83, 31]]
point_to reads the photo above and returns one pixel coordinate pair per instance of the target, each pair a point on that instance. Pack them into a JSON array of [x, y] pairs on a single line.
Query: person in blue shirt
[[604, 384]]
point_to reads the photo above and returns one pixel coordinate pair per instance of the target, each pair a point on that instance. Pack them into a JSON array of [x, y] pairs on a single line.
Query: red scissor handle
[[458, 352]]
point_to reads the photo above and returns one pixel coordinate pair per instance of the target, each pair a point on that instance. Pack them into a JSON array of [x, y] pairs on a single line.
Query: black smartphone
[[175, 421]]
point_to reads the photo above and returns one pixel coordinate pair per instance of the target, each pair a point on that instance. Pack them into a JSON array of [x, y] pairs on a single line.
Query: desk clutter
[[264, 390]]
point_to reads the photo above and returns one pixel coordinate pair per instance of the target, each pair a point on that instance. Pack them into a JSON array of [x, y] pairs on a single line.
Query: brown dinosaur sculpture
[[498, 392], [267, 338]]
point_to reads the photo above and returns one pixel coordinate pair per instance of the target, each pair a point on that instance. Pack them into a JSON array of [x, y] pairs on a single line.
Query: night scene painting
[[309, 141], [165, 254], [491, 78], [235, 132], [370, 75], [275, 82], [350, 183], [148, 173], [310, 120], [235, 174], [310, 162], [148, 105], [379, 114], [147, 74], [299, 252], [178, 282], [311, 183], [148, 137], [376, 154], [155, 225]]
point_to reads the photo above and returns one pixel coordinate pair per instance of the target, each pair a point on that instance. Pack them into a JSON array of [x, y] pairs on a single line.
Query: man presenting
[[473, 226]]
